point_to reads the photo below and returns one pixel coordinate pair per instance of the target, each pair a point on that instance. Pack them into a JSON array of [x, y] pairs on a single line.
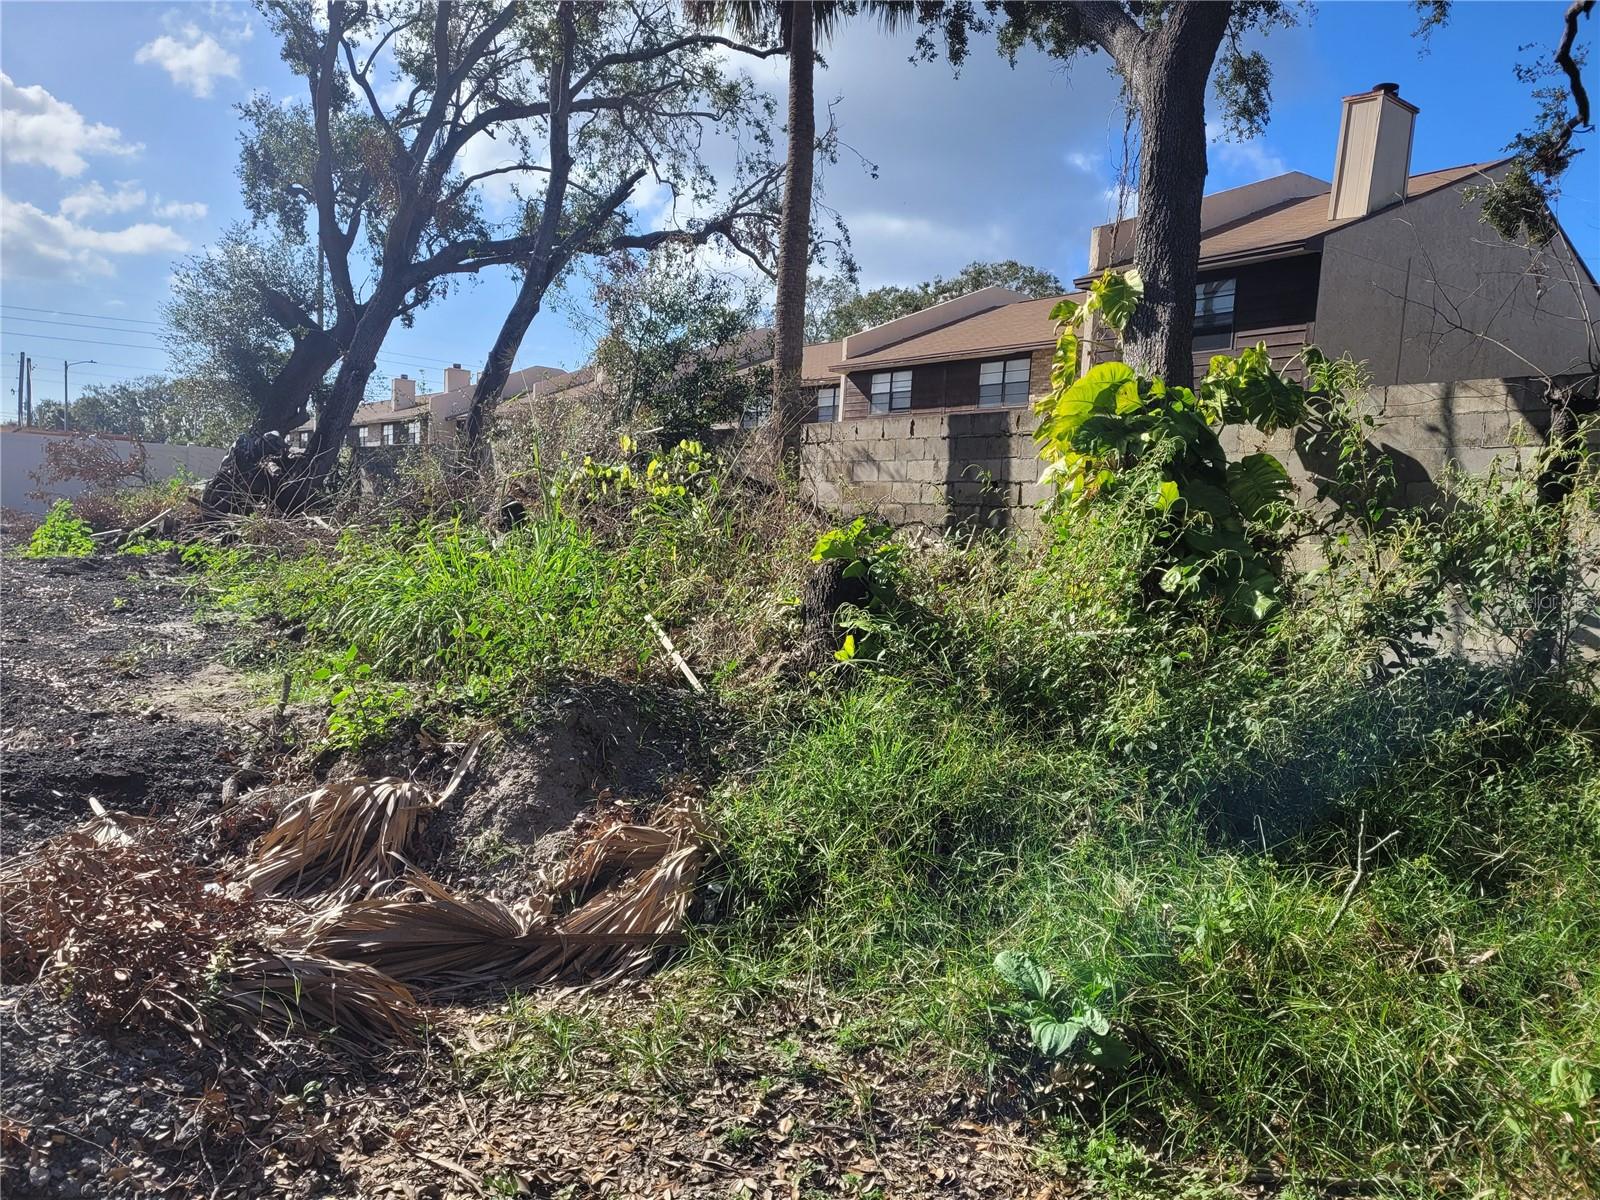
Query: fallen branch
[[672, 653], [1362, 851], [148, 525]]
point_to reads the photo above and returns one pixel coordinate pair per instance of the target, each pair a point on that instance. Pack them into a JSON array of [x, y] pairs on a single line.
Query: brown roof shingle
[[1025, 325], [1299, 223]]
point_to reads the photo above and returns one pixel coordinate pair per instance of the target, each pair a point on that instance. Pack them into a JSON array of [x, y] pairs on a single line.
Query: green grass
[[1037, 753], [460, 616]]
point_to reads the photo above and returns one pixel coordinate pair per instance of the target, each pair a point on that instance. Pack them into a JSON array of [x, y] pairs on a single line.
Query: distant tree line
[[153, 408]]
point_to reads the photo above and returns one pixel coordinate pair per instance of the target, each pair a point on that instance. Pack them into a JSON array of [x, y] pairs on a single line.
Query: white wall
[[22, 457]]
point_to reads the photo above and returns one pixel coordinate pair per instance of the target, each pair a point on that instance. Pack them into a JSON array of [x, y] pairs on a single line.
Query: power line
[[56, 337], [63, 312], [81, 325], [106, 362]]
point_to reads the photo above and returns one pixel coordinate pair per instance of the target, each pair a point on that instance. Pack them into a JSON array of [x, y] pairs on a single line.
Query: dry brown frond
[[429, 935], [340, 841], [309, 993]]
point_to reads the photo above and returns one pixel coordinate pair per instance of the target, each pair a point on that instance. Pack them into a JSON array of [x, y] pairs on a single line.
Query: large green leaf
[[1102, 389], [1022, 972], [1258, 484], [1054, 1038], [1117, 296], [1248, 388]]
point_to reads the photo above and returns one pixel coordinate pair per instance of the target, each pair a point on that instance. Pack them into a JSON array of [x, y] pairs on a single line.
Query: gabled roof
[[1296, 225], [1023, 325]]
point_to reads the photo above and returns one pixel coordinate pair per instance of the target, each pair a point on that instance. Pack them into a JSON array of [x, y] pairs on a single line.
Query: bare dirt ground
[[114, 692]]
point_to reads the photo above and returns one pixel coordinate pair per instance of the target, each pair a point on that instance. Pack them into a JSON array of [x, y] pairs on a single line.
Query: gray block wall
[[936, 468], [946, 468]]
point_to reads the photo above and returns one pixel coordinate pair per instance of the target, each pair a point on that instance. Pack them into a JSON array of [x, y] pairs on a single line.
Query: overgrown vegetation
[[61, 534], [1315, 888]]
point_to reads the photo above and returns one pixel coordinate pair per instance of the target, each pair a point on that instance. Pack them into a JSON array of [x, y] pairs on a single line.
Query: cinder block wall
[[1423, 428], [945, 468], [931, 468]]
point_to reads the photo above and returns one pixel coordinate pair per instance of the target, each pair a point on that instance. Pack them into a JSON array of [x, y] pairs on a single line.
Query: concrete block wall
[[1423, 428], [929, 468], [943, 468]]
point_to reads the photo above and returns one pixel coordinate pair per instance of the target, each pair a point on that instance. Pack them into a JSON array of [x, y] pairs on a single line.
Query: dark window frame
[[1214, 307], [896, 392], [830, 411], [1011, 391]]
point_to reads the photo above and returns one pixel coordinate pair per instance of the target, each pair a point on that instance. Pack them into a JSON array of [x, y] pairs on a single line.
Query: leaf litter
[[271, 930]]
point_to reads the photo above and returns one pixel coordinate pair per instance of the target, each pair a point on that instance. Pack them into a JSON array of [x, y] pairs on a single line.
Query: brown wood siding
[[1274, 302], [853, 394], [944, 385]]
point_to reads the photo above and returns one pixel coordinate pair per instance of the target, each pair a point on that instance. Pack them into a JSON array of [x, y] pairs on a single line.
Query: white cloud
[[178, 210], [193, 58], [44, 245], [93, 200], [37, 128], [1089, 164], [484, 153], [1250, 158]]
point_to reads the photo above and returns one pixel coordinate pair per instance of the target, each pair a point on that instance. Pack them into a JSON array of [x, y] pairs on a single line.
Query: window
[[756, 411], [891, 391], [1213, 315], [388, 433], [414, 433], [827, 404], [364, 435], [1003, 383]]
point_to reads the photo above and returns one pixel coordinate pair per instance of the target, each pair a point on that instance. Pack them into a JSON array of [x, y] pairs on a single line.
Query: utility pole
[[22, 375], [66, 390], [30, 391]]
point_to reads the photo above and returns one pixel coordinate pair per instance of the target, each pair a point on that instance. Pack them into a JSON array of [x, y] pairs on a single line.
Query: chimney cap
[[1392, 88], [455, 366], [403, 375]]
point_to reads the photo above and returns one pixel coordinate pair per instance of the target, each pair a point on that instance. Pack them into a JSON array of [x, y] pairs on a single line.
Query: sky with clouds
[[120, 141]]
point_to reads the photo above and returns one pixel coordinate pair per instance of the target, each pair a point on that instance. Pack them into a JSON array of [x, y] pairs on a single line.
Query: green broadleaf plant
[[1097, 427]]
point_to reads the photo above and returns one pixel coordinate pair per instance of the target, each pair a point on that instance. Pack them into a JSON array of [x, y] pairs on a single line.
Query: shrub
[[61, 535]]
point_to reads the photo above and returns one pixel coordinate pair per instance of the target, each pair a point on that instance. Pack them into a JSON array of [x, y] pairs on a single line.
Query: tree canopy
[[153, 408]]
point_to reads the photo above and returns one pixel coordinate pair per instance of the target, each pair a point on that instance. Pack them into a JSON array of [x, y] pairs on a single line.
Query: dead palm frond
[[340, 841], [429, 935], [297, 992]]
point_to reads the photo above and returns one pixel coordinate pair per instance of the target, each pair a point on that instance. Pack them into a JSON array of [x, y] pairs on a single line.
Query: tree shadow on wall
[[979, 481]]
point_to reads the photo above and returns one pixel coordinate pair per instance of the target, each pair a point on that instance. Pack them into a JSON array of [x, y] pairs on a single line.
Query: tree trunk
[[350, 384], [1168, 83], [285, 406], [497, 369], [540, 269], [794, 246]]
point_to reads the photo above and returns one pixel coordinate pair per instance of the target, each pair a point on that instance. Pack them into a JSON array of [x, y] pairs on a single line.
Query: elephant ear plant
[[1061, 1024], [1109, 428]]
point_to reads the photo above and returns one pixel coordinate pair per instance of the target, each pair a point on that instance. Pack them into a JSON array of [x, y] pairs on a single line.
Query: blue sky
[[121, 141]]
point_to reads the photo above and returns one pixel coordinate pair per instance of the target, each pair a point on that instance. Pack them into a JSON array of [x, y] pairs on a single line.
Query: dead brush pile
[[338, 842], [621, 897], [114, 915]]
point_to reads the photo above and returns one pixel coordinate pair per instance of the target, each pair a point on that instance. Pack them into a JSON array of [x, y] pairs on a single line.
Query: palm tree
[[797, 26]]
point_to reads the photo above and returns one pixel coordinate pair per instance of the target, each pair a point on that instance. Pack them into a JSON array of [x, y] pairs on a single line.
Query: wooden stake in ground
[[672, 653], [1361, 866]]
